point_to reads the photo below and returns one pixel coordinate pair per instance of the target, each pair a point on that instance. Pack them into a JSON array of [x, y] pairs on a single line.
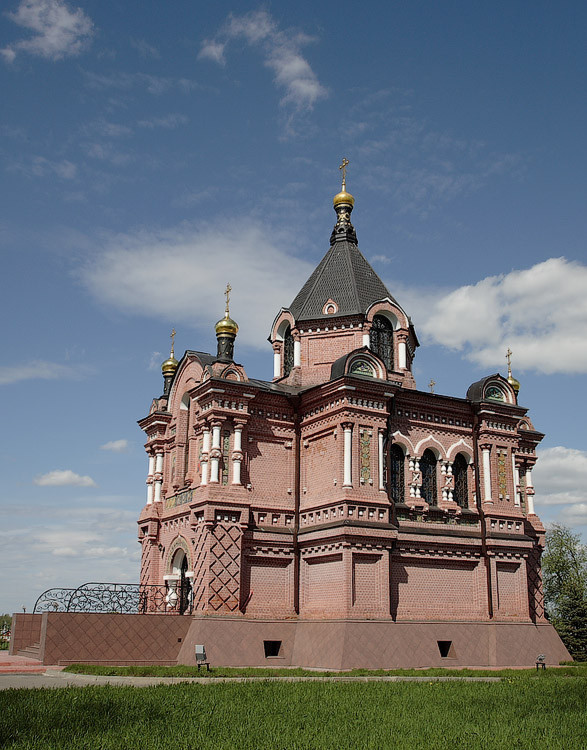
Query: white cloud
[[145, 49], [281, 51], [64, 478], [188, 287], [539, 312], [116, 446], [169, 121], [37, 370], [58, 31], [39, 166], [124, 81], [560, 478]]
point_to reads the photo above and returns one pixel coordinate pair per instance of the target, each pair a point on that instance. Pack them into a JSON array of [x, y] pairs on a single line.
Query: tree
[[564, 572]]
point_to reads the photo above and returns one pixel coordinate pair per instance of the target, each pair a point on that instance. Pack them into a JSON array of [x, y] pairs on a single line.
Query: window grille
[[459, 470], [429, 490], [381, 340], [397, 461], [288, 352]]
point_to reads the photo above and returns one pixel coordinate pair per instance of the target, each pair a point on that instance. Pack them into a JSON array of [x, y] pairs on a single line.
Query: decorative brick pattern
[[225, 568]]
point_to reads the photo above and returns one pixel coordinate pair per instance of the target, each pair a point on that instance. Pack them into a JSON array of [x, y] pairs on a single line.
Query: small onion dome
[[343, 197], [226, 326], [515, 384], [169, 366]]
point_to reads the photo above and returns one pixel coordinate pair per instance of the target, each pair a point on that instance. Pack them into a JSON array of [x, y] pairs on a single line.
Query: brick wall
[[25, 631]]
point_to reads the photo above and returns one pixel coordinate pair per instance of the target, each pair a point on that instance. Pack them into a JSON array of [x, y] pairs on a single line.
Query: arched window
[[459, 471], [396, 461], [429, 490], [381, 340], [288, 352]]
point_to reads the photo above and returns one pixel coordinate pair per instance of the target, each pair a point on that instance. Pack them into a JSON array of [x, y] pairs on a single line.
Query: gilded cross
[[343, 166], [227, 294], [172, 337], [431, 385], [508, 356]]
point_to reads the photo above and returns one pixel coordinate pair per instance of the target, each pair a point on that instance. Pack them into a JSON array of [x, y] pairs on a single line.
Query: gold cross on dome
[[227, 294], [172, 337], [508, 356], [343, 166], [431, 385]]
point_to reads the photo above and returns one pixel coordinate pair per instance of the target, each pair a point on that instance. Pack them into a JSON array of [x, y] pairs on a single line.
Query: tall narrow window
[[459, 471], [396, 458], [429, 490], [381, 340], [288, 352]]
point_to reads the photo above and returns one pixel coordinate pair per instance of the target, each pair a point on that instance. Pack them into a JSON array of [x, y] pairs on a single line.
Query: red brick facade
[[338, 489]]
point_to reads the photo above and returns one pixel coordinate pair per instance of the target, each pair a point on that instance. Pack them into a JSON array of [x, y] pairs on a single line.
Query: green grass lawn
[[526, 710], [571, 668]]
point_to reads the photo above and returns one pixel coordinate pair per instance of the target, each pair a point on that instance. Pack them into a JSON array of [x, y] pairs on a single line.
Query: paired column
[[205, 454], [158, 476], [150, 479], [529, 492], [348, 454]]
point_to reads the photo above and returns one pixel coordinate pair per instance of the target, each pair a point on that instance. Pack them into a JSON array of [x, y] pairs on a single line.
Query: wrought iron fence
[[118, 598]]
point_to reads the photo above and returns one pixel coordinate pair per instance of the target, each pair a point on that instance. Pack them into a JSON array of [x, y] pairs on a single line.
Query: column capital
[[347, 425], [485, 446]]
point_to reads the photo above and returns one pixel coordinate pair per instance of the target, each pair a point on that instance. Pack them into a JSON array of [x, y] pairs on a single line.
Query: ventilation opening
[[272, 648], [446, 649]]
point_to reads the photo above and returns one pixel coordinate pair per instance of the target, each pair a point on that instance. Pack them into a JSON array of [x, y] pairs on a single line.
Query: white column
[[237, 455], [381, 485], [297, 353], [159, 477], [486, 475], [348, 452], [205, 457], [366, 339], [215, 459], [150, 479], [529, 492], [402, 356], [516, 476], [276, 364]]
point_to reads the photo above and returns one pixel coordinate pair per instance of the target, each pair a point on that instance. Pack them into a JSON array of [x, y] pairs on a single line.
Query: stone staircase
[[31, 652]]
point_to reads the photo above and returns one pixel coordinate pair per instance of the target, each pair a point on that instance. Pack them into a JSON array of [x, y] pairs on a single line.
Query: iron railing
[[117, 598]]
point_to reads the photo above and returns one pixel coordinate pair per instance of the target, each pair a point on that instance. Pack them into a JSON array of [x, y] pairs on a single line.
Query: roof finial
[[172, 337], [169, 367], [515, 384], [431, 385], [226, 330], [343, 166], [227, 295]]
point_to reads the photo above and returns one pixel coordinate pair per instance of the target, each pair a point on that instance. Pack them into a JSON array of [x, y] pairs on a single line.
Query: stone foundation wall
[[327, 644], [69, 637]]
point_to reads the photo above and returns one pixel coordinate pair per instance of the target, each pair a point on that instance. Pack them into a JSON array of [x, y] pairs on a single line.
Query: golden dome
[[515, 384], [169, 366], [343, 197], [226, 326]]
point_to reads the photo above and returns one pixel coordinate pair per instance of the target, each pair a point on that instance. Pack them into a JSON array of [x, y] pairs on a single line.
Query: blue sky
[[152, 152]]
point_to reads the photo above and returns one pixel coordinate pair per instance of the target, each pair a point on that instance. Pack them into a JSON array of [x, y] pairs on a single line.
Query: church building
[[336, 515]]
